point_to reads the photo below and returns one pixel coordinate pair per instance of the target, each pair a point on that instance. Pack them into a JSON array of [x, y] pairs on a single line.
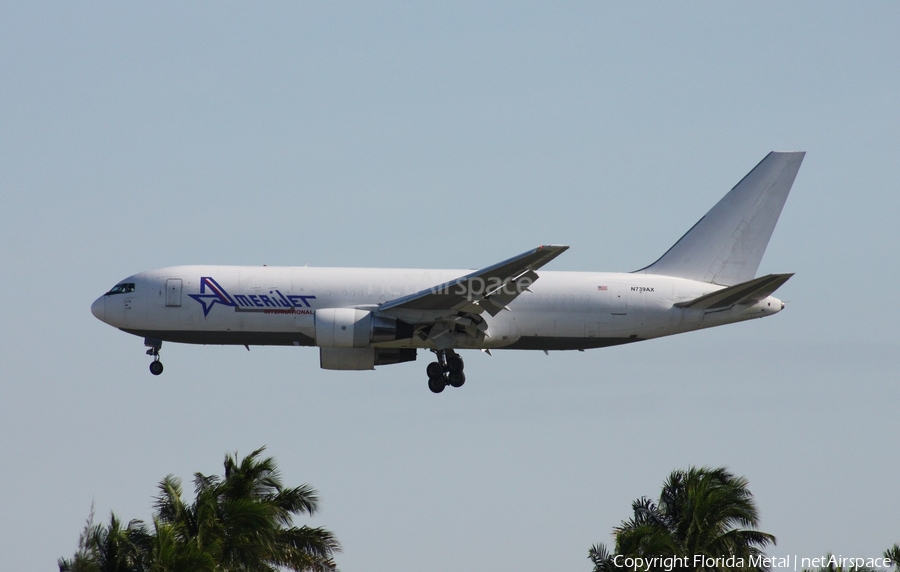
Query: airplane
[[360, 318]]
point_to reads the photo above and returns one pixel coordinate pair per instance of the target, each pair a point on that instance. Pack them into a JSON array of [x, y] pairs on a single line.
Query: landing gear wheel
[[456, 378], [447, 370], [455, 364], [434, 370], [436, 384], [156, 366]]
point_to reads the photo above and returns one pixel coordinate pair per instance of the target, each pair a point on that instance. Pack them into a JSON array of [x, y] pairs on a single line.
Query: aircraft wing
[[487, 290], [748, 293]]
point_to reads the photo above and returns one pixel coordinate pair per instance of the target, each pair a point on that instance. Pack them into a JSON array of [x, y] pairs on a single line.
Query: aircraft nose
[[98, 308]]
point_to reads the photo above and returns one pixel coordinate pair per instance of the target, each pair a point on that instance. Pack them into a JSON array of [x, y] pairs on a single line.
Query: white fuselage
[[361, 318], [260, 305]]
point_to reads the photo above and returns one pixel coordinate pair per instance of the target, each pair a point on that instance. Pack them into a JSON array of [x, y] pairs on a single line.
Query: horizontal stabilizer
[[747, 293]]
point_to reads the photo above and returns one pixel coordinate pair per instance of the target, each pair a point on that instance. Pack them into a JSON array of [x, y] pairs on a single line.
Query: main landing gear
[[156, 366], [447, 370]]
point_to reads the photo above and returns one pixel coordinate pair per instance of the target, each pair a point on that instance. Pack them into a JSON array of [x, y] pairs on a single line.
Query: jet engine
[[354, 328]]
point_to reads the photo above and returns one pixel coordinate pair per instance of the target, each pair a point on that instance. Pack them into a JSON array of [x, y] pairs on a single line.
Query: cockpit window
[[122, 288]]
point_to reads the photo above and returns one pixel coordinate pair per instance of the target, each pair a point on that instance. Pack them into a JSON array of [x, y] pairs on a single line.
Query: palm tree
[[111, 548], [701, 512], [241, 522], [602, 559], [245, 519], [893, 554], [167, 553]]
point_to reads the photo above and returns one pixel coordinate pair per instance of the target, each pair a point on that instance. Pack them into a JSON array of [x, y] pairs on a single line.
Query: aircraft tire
[[455, 364], [436, 384], [456, 378], [156, 367], [434, 370]]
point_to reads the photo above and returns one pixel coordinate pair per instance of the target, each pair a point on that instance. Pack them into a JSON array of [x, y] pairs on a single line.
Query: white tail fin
[[727, 244]]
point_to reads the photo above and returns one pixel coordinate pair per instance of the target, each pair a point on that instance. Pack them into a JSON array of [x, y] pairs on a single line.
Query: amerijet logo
[[218, 295], [211, 293]]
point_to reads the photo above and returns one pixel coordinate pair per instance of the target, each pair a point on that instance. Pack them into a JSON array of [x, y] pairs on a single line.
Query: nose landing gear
[[447, 370], [156, 366]]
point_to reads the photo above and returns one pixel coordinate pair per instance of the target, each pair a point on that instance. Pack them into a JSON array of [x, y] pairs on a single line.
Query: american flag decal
[[601, 288]]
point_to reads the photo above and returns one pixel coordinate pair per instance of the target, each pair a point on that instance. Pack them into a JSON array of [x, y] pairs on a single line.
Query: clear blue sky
[[140, 135]]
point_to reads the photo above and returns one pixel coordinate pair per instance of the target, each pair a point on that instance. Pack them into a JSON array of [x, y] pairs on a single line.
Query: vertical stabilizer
[[727, 244]]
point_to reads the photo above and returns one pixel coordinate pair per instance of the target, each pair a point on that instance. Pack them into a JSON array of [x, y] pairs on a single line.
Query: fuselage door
[[173, 292], [618, 300]]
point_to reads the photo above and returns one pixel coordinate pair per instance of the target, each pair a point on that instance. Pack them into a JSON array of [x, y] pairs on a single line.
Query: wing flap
[[497, 301], [747, 293]]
